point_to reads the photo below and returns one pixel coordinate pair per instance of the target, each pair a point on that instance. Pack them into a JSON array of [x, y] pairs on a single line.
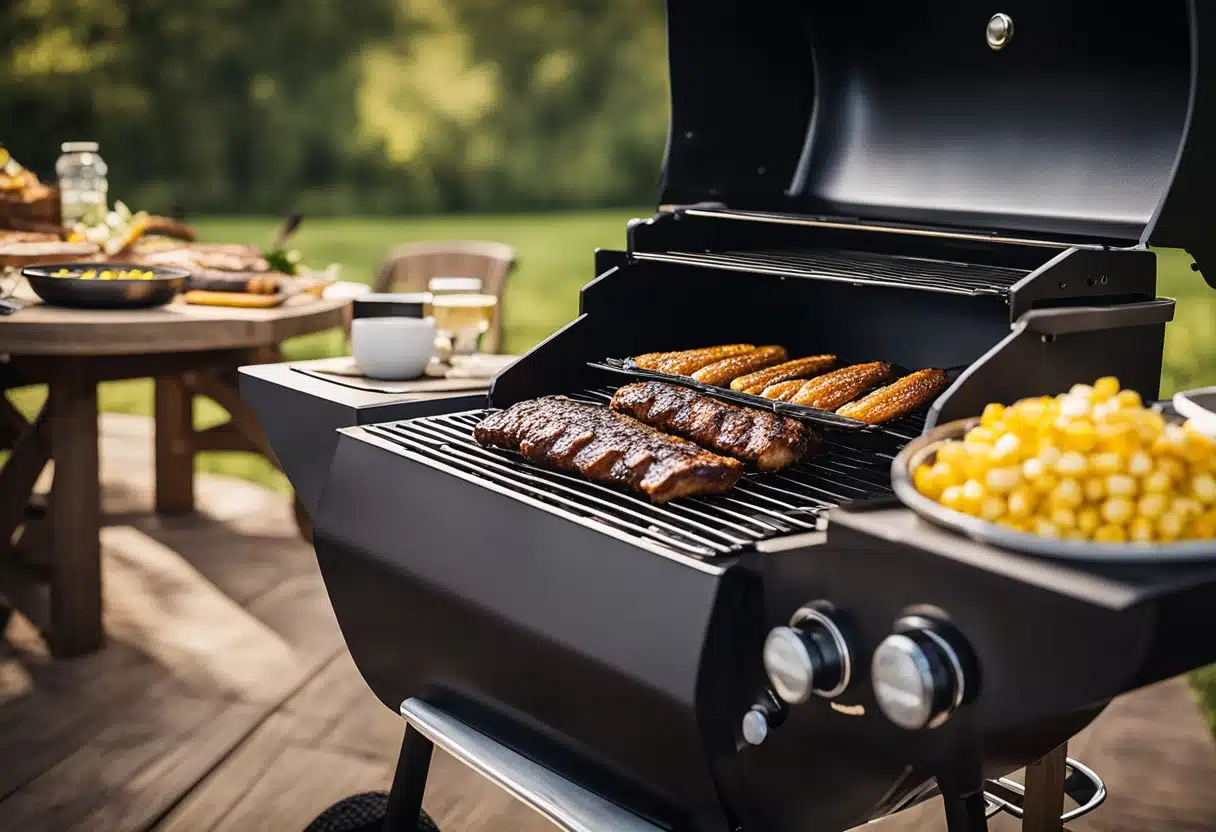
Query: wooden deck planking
[[225, 699]]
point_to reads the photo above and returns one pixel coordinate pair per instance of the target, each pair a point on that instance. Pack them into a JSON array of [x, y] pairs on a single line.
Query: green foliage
[[369, 106]]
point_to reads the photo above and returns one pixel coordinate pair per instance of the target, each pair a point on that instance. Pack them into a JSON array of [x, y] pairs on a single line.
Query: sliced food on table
[[898, 399], [687, 362], [723, 372], [800, 368], [1091, 464], [608, 447], [830, 391], [769, 440]]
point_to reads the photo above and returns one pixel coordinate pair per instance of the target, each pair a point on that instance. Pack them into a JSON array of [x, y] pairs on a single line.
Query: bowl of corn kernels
[[1091, 474], [105, 285]]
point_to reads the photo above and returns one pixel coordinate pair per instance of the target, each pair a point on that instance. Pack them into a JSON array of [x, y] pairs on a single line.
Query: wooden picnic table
[[52, 571]]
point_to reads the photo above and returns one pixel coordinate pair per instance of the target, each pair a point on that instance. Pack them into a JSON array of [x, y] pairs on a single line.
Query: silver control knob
[[917, 678], [755, 726], [808, 657]]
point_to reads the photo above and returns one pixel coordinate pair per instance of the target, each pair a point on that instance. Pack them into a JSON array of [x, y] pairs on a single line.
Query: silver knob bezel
[[902, 640], [999, 31], [818, 617], [842, 647]]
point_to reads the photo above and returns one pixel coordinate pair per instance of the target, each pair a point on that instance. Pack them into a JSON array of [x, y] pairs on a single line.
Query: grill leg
[[1045, 793], [965, 813], [409, 782]]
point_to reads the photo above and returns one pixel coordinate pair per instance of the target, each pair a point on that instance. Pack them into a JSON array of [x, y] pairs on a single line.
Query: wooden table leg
[[174, 446], [75, 626], [1045, 792]]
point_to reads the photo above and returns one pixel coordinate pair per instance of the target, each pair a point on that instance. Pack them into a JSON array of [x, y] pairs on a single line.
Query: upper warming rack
[[761, 507], [858, 268]]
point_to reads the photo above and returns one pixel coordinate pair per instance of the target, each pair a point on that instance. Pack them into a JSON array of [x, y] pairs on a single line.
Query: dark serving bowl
[[95, 293]]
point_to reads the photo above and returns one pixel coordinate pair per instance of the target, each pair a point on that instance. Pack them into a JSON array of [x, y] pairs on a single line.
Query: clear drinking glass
[[462, 319]]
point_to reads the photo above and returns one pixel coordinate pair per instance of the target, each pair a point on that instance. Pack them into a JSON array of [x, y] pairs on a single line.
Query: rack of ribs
[[769, 440], [608, 447]]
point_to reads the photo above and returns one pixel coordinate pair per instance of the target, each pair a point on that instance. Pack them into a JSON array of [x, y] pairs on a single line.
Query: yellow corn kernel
[[1186, 507], [1204, 526], [1120, 485], [1152, 506], [1117, 510], [926, 483], [1157, 482], [1110, 533], [948, 474], [1074, 534], [1067, 494], [1171, 527], [1106, 387], [1080, 436], [1064, 518], [952, 497], [1203, 486], [1072, 464], [952, 453], [1021, 502], [1141, 530], [1107, 462], [88, 275], [1007, 450], [1050, 455], [1082, 391], [977, 463], [1003, 480], [1172, 467], [993, 508], [1045, 528], [973, 495], [1088, 520], [1140, 464], [993, 412], [979, 436], [1129, 399], [1095, 489]]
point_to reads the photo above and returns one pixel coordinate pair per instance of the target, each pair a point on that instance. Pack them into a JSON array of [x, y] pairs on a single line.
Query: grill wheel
[[361, 813]]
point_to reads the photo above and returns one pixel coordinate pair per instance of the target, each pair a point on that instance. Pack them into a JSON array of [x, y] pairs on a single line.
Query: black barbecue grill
[[939, 185]]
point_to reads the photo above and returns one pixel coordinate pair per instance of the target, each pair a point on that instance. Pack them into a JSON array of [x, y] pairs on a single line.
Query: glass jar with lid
[[83, 184]]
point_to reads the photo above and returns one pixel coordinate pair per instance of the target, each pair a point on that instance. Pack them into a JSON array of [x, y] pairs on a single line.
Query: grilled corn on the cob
[[897, 399], [830, 391], [783, 391], [684, 362], [729, 369], [798, 368]]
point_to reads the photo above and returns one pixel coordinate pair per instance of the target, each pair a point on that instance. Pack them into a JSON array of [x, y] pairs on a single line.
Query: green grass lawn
[[555, 259]]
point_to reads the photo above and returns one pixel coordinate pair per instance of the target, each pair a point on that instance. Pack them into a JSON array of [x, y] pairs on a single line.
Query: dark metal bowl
[[161, 288], [924, 449]]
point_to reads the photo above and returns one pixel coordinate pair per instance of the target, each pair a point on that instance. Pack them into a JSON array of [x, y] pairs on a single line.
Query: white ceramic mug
[[393, 349]]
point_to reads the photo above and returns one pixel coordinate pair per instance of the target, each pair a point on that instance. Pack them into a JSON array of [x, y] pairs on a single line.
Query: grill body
[[617, 644], [876, 181]]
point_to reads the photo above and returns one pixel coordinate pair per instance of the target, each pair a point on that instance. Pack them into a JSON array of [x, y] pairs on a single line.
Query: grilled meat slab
[[686, 362], [729, 369], [803, 368], [830, 391], [608, 447], [899, 398], [769, 440]]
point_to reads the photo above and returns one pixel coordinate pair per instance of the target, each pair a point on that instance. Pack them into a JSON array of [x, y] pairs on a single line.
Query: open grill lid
[[1067, 121]]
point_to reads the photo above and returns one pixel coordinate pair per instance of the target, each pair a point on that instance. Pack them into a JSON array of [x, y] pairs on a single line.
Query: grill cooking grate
[[857, 268], [762, 506]]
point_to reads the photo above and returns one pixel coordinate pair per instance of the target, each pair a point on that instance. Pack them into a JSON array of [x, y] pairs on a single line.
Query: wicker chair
[[410, 267]]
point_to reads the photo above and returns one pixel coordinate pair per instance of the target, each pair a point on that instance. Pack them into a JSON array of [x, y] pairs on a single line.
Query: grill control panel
[[810, 656], [919, 674]]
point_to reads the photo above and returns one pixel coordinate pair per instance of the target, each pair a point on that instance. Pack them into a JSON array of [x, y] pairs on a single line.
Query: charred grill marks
[[608, 447], [769, 440]]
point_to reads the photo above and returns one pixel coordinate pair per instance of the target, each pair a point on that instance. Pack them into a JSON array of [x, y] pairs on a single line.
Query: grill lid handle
[[1066, 320]]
